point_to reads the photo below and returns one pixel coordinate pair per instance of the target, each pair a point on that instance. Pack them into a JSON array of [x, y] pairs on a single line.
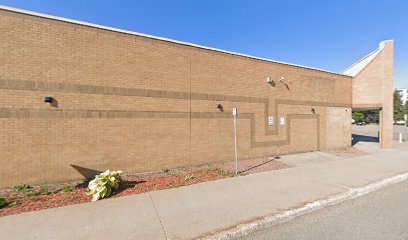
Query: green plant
[[67, 189], [103, 184], [31, 194], [21, 188], [2, 201], [189, 177], [174, 174], [44, 191], [358, 116], [165, 170], [228, 173], [14, 203]]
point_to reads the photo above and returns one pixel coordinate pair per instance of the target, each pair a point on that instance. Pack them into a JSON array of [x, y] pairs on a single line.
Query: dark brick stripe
[[97, 114], [103, 90]]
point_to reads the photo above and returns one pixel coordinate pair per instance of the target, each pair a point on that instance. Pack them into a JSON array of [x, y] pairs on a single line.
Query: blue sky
[[329, 35]]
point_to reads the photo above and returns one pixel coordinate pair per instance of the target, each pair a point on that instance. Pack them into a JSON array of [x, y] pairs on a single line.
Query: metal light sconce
[[220, 107], [313, 111], [48, 100], [270, 81]]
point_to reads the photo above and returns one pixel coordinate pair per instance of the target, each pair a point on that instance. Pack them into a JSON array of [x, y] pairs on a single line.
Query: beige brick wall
[[139, 104], [338, 132]]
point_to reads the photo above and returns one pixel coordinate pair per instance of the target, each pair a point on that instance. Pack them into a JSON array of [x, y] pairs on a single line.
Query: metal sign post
[[406, 126], [234, 113]]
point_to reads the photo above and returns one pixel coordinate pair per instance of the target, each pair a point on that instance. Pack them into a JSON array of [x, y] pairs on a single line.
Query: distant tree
[[358, 116], [399, 109], [372, 116]]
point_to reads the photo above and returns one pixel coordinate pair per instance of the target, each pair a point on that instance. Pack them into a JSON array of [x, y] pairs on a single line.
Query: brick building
[[124, 100]]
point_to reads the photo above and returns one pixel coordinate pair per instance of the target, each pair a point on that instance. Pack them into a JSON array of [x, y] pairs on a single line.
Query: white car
[[399, 122]]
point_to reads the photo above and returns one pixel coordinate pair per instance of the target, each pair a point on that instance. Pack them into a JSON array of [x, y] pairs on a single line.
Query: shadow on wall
[[361, 138], [89, 174], [86, 172]]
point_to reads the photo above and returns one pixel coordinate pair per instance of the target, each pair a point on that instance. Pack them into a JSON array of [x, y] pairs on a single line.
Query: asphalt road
[[379, 215]]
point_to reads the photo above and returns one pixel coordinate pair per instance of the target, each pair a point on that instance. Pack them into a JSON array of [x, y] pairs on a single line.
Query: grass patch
[[21, 188], [228, 173], [67, 189], [44, 191], [31, 194], [2, 201], [175, 174]]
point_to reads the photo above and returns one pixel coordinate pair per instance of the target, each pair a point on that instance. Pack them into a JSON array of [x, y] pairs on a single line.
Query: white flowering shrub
[[103, 184]]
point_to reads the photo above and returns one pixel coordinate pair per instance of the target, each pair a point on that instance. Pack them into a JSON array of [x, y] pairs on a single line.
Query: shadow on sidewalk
[[258, 165], [361, 138]]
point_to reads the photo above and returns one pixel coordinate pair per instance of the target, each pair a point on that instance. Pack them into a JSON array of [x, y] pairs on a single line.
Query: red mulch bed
[[348, 152], [51, 196]]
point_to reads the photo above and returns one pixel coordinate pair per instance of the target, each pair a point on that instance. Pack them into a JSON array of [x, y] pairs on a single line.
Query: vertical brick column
[[373, 88], [386, 127]]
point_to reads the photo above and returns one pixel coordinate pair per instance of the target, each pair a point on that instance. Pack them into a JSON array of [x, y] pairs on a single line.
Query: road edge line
[[269, 221]]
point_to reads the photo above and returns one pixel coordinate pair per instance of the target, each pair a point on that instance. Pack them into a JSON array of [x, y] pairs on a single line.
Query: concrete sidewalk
[[203, 209]]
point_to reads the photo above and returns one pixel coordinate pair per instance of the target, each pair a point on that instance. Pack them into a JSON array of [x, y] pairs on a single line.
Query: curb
[[269, 221]]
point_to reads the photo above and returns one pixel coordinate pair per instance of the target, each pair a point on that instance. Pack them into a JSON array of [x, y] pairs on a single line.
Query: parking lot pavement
[[372, 131], [365, 138]]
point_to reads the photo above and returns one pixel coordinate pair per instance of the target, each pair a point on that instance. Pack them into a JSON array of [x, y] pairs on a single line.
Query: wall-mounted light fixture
[[313, 110], [270, 81], [48, 100], [220, 107]]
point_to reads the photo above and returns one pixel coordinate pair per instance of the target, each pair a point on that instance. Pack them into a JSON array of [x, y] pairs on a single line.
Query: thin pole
[[235, 142], [406, 127]]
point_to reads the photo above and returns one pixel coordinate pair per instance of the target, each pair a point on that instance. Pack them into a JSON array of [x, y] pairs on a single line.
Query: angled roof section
[[2, 7], [357, 67], [361, 64]]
